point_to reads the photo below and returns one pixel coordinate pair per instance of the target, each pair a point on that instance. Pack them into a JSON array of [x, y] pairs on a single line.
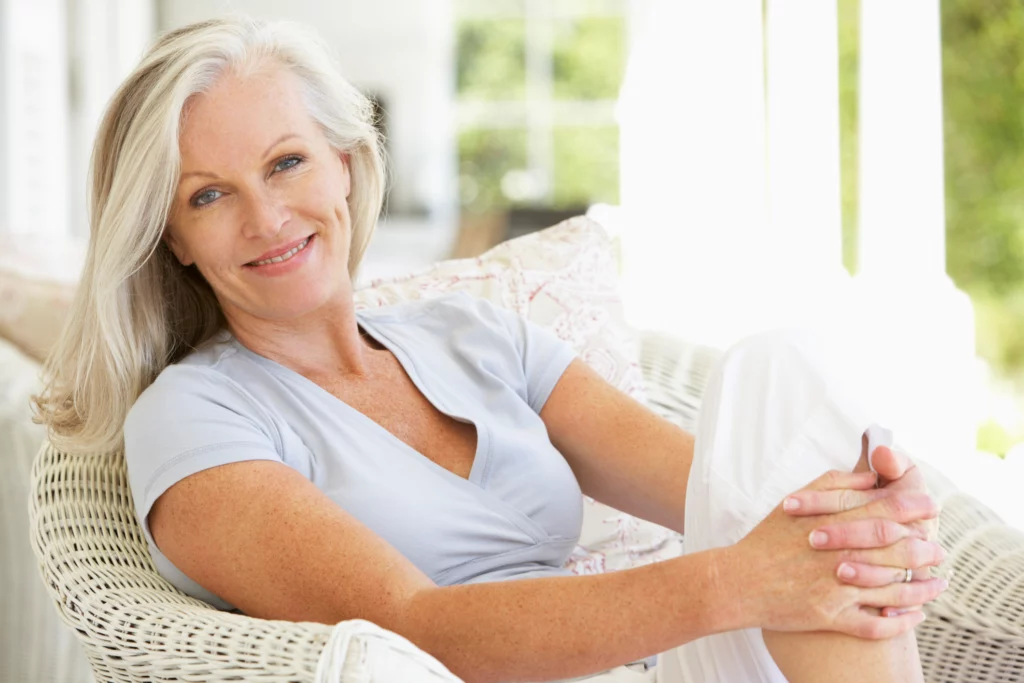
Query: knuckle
[[881, 531], [898, 506], [832, 478]]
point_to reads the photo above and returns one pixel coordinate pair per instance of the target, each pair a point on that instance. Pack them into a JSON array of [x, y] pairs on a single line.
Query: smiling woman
[[164, 185], [294, 458], [262, 207]]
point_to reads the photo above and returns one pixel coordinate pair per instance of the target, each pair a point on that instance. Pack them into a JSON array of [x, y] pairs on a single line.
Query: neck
[[327, 339]]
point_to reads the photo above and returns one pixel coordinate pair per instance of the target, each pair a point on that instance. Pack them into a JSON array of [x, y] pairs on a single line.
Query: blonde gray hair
[[137, 309]]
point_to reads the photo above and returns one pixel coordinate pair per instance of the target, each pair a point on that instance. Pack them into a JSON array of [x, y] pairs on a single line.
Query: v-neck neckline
[[477, 469]]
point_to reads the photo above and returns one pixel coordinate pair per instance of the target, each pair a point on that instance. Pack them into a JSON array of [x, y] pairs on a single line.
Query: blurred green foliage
[[993, 438], [849, 75], [586, 166], [588, 57], [491, 59], [983, 84], [485, 156]]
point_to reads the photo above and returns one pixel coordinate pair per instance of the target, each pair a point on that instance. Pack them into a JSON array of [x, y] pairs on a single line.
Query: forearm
[[561, 627]]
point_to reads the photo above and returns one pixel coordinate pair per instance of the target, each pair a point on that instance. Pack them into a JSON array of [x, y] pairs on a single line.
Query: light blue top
[[518, 514]]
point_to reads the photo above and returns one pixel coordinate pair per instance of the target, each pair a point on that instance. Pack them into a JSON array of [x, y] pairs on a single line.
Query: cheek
[[326, 199]]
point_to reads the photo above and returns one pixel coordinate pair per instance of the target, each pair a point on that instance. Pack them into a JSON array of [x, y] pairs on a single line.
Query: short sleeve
[[189, 420], [543, 356]]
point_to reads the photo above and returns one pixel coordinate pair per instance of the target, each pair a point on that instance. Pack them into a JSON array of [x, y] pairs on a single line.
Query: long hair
[[137, 309]]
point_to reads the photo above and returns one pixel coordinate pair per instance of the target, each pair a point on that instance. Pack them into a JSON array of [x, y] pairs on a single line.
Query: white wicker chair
[[134, 626]]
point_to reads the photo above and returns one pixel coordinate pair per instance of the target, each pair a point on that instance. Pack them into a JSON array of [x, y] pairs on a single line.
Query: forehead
[[240, 116]]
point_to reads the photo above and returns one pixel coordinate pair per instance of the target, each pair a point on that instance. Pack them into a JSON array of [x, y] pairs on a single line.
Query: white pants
[[778, 412]]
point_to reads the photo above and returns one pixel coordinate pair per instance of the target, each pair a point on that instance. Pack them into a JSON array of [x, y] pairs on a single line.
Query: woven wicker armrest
[[134, 626], [975, 631]]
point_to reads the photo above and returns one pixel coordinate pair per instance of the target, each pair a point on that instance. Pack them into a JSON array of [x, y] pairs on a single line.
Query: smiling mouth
[[283, 257]]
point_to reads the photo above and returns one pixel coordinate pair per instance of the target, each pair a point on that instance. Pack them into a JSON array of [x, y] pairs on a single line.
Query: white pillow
[[563, 278]]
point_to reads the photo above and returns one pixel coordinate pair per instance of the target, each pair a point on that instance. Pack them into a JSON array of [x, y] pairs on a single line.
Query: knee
[[783, 354]]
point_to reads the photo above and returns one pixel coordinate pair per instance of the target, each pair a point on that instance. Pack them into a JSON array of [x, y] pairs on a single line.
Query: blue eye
[[205, 197], [287, 163]]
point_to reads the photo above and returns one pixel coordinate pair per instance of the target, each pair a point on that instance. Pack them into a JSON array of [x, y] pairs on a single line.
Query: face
[[261, 208]]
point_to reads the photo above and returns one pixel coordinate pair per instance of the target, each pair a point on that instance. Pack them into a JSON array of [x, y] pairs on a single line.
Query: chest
[[392, 400]]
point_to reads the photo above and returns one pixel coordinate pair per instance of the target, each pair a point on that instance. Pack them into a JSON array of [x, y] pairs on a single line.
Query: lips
[[281, 251]]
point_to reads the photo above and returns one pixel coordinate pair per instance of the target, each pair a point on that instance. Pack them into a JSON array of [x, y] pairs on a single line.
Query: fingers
[[836, 479], [891, 464], [877, 523], [911, 552], [904, 595], [862, 533], [812, 502], [865, 625], [871, 576]]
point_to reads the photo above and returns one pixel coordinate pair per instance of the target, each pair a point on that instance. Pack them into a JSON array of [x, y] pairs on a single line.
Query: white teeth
[[282, 257]]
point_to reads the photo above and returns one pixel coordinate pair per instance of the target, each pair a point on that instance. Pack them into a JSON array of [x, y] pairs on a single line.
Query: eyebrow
[[275, 143]]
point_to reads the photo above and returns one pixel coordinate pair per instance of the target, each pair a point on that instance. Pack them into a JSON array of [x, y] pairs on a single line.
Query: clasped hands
[[834, 556]]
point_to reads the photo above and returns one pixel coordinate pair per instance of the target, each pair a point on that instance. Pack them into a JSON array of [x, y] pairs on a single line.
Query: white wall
[[33, 117], [401, 50]]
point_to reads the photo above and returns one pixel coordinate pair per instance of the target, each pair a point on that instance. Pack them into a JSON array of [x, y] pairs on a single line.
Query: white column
[[918, 327], [33, 124], [902, 201], [692, 140], [805, 216]]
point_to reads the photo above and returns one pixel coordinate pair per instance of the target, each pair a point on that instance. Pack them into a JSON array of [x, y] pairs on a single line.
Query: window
[[537, 83]]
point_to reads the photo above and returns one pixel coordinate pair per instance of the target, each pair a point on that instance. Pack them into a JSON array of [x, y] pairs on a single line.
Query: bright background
[[760, 162]]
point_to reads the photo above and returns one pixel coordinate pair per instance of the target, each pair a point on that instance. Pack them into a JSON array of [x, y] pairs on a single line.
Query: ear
[[177, 248], [346, 163]]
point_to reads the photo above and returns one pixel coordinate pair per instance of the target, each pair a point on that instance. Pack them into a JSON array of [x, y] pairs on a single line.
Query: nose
[[265, 215]]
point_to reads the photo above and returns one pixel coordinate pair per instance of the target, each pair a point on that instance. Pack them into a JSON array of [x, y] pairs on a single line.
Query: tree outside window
[[536, 86]]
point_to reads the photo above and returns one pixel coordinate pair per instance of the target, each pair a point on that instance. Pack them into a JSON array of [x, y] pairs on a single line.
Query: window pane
[[589, 58], [586, 166], [486, 157], [491, 59]]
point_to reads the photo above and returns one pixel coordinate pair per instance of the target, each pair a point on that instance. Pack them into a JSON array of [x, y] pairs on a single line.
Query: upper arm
[[261, 536], [217, 499]]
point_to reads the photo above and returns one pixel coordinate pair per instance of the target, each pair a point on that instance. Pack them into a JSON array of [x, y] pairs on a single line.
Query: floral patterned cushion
[[563, 278]]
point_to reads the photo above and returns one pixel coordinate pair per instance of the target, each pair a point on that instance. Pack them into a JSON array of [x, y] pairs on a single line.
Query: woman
[[295, 459]]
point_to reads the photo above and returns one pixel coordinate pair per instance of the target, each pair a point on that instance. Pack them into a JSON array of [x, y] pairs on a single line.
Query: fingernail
[[846, 571], [896, 612], [944, 585], [818, 538], [790, 504]]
